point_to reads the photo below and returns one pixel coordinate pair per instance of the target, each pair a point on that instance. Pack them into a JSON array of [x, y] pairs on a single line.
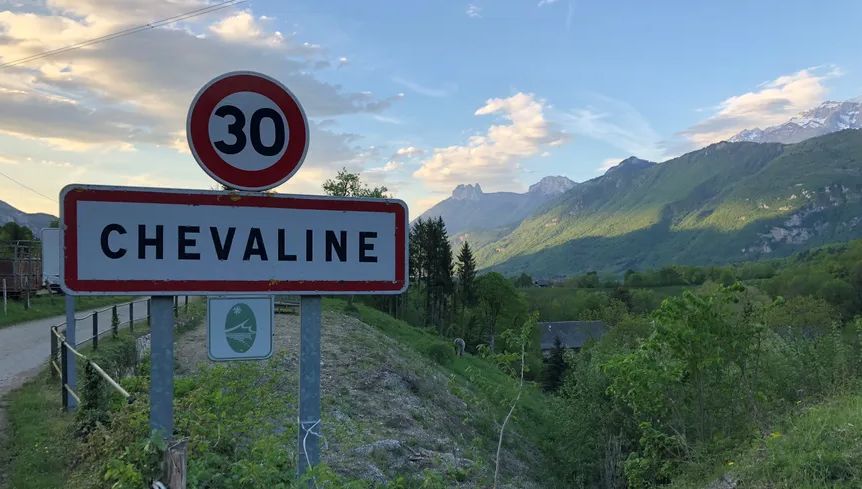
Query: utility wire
[[125, 32], [52, 199]]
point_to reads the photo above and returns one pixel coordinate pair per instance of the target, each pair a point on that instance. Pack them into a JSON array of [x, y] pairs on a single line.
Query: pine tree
[[555, 368], [466, 271]]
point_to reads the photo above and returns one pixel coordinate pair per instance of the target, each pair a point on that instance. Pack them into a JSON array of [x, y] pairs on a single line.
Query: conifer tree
[[466, 272]]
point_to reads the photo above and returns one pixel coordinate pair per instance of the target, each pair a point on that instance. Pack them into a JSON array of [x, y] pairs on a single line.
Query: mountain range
[[36, 222], [826, 118], [468, 208]]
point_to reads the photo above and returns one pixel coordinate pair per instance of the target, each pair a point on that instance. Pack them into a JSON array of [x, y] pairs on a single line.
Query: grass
[[35, 452], [39, 440], [818, 447], [48, 306]]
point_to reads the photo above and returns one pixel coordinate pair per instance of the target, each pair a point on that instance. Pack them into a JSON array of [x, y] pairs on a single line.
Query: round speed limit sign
[[247, 131]]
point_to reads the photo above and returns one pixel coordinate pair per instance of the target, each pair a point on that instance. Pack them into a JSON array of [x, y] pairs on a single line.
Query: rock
[[387, 445]]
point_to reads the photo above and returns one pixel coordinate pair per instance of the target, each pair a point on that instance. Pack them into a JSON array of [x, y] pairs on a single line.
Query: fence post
[[148, 313], [132, 316], [95, 329], [176, 305], [53, 351], [64, 376], [115, 320], [70, 361], [187, 303]]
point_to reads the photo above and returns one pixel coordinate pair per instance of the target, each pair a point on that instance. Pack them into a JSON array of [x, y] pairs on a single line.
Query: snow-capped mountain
[[826, 118]]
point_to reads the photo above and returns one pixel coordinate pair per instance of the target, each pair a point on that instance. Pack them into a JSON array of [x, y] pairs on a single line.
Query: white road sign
[[123, 240], [239, 328], [50, 238]]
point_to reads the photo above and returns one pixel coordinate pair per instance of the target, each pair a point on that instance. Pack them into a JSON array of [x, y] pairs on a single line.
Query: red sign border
[[197, 131], [72, 194]]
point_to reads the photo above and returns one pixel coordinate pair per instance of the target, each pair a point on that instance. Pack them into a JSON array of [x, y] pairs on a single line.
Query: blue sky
[[418, 96]]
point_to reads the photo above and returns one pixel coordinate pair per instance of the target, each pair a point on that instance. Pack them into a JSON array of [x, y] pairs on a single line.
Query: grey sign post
[[309, 383], [71, 326], [162, 366]]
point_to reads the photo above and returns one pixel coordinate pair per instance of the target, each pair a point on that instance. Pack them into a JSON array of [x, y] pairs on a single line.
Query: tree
[[431, 268], [555, 368], [494, 294], [524, 280], [347, 184], [12, 231], [466, 272]]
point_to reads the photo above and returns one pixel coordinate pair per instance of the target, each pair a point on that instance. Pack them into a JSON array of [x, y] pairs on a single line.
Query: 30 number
[[235, 129]]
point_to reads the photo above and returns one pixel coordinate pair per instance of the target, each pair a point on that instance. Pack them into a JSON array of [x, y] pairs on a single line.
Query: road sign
[[239, 328], [127, 240], [50, 238], [247, 131]]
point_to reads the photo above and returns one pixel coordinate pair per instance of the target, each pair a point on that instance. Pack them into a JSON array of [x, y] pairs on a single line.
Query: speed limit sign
[[247, 131]]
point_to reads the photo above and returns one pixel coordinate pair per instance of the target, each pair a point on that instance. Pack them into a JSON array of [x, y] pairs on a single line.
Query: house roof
[[572, 334]]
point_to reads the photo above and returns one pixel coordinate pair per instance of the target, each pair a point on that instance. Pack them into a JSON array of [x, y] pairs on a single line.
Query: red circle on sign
[[197, 131]]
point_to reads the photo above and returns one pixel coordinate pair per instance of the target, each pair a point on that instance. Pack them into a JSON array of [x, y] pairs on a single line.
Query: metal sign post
[[4, 297], [162, 366], [71, 327], [310, 428]]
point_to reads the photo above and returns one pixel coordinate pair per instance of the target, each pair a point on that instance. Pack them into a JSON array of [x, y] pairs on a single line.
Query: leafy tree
[[495, 293], [347, 184], [12, 231], [555, 367], [466, 273]]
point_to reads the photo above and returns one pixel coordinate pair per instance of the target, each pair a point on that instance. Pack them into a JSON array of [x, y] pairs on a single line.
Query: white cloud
[[343, 61], [617, 123], [409, 152], [772, 103], [543, 3], [390, 166], [473, 11], [243, 27], [493, 158]]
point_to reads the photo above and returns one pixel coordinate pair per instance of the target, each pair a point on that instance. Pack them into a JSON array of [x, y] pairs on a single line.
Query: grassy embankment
[[213, 402]]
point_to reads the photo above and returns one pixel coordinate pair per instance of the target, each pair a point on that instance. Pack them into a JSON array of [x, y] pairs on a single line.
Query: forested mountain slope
[[726, 202]]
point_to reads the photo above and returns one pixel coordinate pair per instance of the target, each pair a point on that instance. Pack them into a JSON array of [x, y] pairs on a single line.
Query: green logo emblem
[[240, 328]]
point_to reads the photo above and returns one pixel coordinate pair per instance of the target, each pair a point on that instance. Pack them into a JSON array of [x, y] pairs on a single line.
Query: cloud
[[617, 123], [493, 158], [390, 166], [543, 3], [343, 61], [135, 90], [427, 91], [243, 27], [409, 152], [473, 11], [774, 102]]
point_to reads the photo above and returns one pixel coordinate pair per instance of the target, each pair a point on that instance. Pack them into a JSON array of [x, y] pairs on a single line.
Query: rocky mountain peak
[[552, 185], [467, 192]]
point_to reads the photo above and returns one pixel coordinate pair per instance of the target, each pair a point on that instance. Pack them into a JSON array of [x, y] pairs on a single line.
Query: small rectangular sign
[[136, 241], [239, 328], [50, 238]]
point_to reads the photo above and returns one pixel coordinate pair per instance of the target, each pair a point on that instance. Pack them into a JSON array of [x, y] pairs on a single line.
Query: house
[[572, 334]]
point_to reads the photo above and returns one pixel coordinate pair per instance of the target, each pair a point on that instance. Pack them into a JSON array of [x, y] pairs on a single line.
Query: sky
[[419, 96]]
